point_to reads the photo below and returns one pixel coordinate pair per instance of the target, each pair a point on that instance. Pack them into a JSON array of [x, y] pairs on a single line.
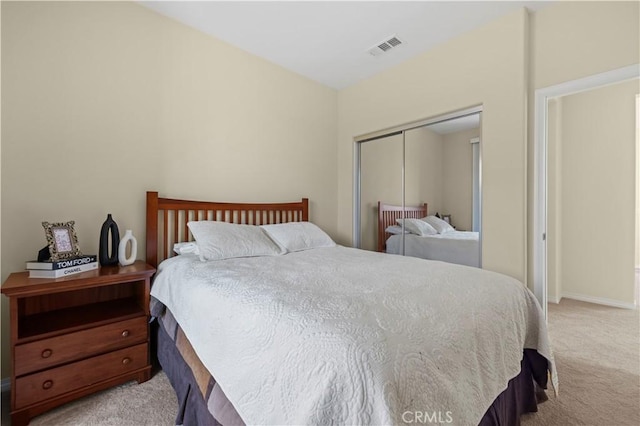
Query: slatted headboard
[[167, 219], [387, 215]]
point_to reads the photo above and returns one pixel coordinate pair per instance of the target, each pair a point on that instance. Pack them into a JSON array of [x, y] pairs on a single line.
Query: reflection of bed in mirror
[[453, 247]]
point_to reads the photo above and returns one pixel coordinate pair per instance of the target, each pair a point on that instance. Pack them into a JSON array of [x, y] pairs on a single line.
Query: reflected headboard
[[167, 219], [387, 215]]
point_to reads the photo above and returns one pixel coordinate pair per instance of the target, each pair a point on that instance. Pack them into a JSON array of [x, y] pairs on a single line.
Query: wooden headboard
[[167, 219], [387, 215]]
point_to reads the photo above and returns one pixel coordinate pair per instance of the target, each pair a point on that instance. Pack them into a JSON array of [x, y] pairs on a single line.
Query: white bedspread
[[346, 336], [458, 247]]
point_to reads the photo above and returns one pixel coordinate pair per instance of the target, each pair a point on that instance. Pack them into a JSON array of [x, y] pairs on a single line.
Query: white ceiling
[[327, 41]]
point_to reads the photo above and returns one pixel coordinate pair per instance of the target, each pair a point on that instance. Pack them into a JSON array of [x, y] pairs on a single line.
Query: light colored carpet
[[597, 350], [152, 403]]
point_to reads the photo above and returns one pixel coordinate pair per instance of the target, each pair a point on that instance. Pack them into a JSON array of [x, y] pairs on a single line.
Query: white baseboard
[[599, 300], [5, 385], [555, 300]]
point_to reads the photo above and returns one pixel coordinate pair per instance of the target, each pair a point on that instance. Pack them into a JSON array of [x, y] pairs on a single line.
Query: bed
[[458, 247], [337, 335]]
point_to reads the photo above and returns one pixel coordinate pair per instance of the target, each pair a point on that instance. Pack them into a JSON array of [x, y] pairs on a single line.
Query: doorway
[[578, 208]]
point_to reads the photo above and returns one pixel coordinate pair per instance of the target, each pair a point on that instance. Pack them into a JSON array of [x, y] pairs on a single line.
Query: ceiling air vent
[[385, 46]]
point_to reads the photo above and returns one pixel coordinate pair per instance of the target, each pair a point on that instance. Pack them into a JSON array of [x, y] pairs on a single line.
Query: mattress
[[348, 336], [458, 247]]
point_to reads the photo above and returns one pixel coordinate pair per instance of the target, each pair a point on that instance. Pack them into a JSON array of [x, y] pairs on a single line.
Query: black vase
[[106, 258]]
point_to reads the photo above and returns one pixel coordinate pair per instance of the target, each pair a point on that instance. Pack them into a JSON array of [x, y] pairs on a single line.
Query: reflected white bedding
[[346, 336], [458, 247]]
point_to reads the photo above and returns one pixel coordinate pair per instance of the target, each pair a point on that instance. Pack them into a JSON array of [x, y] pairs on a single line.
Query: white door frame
[[542, 97]]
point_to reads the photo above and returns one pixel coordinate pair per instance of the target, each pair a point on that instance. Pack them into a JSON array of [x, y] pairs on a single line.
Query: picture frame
[[62, 240], [447, 218]]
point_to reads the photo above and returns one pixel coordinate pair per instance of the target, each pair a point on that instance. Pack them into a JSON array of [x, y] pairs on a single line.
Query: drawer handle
[[46, 353], [47, 384], [126, 360], [125, 333]]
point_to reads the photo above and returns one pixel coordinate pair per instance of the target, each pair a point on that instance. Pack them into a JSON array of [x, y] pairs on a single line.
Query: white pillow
[[298, 236], [221, 240], [440, 225], [186, 248], [417, 226], [396, 230]]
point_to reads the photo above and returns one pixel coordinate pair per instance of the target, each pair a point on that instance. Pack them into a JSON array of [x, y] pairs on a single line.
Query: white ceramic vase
[[122, 249]]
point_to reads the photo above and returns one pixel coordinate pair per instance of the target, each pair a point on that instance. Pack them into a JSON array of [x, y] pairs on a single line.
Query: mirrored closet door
[[381, 163], [418, 189]]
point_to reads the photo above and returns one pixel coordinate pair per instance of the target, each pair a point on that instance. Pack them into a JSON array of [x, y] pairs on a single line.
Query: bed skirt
[[202, 401]]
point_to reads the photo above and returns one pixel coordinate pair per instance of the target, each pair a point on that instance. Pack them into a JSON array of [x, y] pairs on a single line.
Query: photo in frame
[[62, 240]]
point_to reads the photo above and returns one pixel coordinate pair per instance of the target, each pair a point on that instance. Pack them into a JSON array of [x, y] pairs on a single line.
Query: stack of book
[[62, 268]]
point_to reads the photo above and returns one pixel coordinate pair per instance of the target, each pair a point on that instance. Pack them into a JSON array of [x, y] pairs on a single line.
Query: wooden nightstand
[[76, 335]]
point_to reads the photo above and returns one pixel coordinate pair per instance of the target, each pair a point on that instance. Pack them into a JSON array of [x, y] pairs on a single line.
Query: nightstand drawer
[[57, 381], [46, 353]]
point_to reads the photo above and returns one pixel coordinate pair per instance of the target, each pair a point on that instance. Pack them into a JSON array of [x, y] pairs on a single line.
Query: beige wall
[[486, 66], [597, 185], [458, 177], [103, 101], [572, 40]]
